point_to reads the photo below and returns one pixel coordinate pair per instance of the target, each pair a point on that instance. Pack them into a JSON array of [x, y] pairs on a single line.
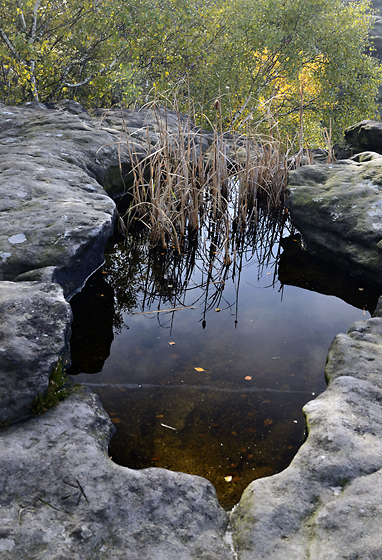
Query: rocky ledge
[[60, 494]]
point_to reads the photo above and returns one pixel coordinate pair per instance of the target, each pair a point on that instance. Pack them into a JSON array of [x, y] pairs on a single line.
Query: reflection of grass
[[56, 391], [149, 278]]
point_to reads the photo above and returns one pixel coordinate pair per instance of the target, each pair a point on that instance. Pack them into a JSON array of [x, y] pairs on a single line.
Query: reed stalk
[[179, 187]]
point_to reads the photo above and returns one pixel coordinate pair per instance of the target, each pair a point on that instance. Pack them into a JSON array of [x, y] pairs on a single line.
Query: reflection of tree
[[148, 278]]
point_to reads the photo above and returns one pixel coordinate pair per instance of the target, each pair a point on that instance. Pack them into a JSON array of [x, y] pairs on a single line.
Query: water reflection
[[215, 388]]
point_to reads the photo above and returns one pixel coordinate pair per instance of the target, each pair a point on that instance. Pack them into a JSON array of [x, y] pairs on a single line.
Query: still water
[[204, 368]]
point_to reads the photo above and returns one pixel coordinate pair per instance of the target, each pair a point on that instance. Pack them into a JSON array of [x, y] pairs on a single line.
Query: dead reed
[[192, 178]]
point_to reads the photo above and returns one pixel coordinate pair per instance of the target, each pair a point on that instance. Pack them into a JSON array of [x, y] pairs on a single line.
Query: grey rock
[[365, 135], [53, 212], [34, 331], [338, 210], [61, 496]]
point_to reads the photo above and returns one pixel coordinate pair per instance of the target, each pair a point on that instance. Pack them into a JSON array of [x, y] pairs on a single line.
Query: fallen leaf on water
[[155, 458], [214, 424], [234, 433], [248, 378], [228, 478], [217, 309], [268, 421], [198, 369], [104, 272], [171, 343], [116, 420], [159, 416], [251, 430], [236, 478]]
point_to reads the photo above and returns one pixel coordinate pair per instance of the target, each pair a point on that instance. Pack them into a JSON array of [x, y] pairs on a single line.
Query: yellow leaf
[[198, 369], [248, 378], [228, 478], [171, 343]]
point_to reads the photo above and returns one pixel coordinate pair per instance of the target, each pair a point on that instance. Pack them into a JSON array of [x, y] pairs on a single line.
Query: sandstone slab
[[34, 332], [61, 496], [338, 210], [53, 213]]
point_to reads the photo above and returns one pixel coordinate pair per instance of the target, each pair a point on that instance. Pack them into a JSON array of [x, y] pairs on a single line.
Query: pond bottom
[[231, 436]]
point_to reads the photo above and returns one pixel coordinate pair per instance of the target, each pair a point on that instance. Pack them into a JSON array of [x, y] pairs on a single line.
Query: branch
[[87, 80], [22, 19], [17, 56], [34, 24], [12, 49]]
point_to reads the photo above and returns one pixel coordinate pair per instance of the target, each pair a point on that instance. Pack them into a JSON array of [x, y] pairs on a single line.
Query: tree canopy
[[282, 58]]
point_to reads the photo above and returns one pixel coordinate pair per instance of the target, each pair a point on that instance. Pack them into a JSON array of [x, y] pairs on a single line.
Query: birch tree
[[52, 48]]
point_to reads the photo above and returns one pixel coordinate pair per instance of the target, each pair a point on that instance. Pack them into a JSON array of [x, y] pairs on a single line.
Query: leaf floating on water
[[171, 343], [268, 421], [248, 378], [198, 369], [159, 416], [217, 309], [228, 478], [116, 420], [155, 458]]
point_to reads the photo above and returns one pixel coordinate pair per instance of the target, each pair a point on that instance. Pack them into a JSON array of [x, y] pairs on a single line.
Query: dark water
[[216, 387]]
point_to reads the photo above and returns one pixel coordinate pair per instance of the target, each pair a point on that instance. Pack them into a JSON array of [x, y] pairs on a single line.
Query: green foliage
[[52, 49], [266, 60], [56, 391]]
